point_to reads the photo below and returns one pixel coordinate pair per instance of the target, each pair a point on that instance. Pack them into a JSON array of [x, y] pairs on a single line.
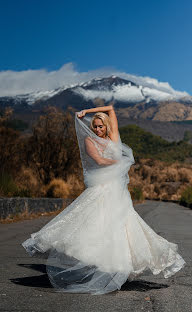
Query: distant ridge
[[132, 100]]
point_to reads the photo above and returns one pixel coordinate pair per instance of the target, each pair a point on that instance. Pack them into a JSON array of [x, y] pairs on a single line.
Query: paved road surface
[[24, 286]]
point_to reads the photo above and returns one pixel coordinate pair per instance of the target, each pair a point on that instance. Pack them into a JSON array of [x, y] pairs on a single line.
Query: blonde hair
[[104, 118]]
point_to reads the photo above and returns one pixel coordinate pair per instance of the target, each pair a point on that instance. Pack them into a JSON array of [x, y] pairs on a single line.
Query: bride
[[99, 241]]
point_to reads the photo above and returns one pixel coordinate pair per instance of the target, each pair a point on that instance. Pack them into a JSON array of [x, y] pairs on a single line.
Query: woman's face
[[99, 128]]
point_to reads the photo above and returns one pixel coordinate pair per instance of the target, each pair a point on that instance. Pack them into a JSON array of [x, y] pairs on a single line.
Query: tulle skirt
[[99, 242]]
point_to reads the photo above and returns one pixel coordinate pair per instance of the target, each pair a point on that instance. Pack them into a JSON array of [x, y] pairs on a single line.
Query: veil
[[93, 172]]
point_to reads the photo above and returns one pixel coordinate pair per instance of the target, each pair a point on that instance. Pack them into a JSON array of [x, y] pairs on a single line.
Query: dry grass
[[27, 179], [58, 188], [76, 186], [72, 187], [160, 180]]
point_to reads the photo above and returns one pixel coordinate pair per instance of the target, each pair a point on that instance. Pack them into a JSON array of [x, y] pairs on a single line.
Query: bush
[[186, 197], [7, 185], [16, 124], [23, 192], [58, 188], [137, 193], [9, 188]]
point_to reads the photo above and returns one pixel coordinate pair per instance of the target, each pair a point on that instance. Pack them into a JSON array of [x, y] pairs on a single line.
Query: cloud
[[27, 81], [122, 93]]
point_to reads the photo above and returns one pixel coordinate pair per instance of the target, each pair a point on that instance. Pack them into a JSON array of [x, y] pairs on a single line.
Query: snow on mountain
[[153, 83], [158, 95], [34, 83], [132, 90], [39, 95], [120, 93], [133, 99], [125, 91]]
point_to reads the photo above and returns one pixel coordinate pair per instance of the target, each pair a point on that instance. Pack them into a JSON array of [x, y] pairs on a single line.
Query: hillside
[[170, 131], [147, 145]]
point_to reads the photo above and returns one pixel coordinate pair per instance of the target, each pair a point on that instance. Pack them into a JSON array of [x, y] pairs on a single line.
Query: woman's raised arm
[[114, 134]]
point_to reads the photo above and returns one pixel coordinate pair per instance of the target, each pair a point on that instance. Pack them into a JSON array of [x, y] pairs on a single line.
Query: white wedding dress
[[99, 241]]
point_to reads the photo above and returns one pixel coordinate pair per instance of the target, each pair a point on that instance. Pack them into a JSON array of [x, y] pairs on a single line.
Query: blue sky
[[145, 38]]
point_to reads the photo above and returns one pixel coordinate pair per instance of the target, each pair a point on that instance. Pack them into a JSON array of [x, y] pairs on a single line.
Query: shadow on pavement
[[141, 285], [43, 281], [34, 281], [35, 267]]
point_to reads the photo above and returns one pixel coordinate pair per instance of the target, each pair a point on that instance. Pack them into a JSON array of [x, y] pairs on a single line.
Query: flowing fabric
[[99, 241]]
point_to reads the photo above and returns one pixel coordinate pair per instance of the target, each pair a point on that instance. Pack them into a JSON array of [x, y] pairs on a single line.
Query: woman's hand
[[81, 113]]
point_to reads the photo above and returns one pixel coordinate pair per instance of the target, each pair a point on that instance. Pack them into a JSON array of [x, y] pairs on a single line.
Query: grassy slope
[[147, 145]]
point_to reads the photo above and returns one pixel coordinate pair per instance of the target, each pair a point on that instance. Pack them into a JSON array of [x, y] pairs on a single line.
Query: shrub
[[137, 193], [7, 185], [22, 192], [58, 188], [16, 124], [76, 186], [27, 182], [186, 197], [9, 188]]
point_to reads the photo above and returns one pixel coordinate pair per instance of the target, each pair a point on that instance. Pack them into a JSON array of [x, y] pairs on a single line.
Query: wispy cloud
[[27, 81]]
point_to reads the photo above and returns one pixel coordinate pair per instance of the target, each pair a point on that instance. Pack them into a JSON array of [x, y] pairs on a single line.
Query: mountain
[[133, 100]]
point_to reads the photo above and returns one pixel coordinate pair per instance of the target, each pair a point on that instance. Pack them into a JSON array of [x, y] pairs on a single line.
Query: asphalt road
[[24, 285]]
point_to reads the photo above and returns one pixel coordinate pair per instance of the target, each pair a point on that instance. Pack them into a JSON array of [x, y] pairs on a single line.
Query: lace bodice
[[111, 150]]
